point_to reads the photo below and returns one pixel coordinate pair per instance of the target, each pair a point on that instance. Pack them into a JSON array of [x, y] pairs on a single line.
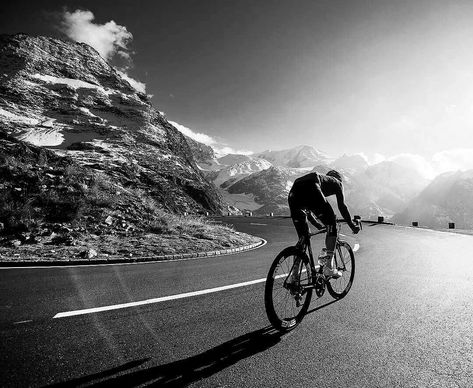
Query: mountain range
[[261, 182], [266, 178], [63, 96]]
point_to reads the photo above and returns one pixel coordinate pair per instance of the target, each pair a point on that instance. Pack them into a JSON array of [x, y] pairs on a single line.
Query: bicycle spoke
[[345, 263], [286, 299]]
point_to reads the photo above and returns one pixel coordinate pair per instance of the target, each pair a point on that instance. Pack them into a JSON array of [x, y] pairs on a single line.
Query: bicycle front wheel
[[288, 289], [345, 263]]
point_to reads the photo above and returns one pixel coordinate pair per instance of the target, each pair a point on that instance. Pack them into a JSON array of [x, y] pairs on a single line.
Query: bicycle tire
[[279, 298], [345, 262]]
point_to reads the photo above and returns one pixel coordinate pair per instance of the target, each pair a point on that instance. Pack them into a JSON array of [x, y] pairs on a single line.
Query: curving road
[[406, 322]]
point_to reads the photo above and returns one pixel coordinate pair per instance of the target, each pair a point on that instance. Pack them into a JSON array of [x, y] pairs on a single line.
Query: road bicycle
[[294, 275]]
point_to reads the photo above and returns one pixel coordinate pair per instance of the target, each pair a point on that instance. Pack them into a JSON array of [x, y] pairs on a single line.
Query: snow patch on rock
[[18, 119], [73, 83], [44, 138]]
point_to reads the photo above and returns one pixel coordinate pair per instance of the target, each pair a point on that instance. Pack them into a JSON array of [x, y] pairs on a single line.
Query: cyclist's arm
[[344, 209]]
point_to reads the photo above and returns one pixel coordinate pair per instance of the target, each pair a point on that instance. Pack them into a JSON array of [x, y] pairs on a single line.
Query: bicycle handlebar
[[357, 221]]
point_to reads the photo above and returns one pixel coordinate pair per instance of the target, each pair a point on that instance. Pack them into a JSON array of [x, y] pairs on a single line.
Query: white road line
[[162, 299], [20, 322], [255, 223], [166, 298], [356, 247], [156, 300]]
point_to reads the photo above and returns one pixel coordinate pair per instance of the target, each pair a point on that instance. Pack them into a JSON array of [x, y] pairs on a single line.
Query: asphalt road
[[406, 322]]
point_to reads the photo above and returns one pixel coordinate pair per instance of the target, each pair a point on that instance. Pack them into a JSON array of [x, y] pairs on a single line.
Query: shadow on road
[[322, 306], [183, 372], [89, 380]]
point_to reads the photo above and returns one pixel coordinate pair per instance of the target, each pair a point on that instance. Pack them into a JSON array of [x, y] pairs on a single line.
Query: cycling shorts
[[302, 201]]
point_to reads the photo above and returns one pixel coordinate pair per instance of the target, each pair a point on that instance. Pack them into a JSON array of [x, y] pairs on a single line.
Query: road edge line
[[130, 261]]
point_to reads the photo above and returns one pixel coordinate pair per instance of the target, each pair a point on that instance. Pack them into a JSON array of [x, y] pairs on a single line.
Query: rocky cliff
[[202, 153], [64, 96]]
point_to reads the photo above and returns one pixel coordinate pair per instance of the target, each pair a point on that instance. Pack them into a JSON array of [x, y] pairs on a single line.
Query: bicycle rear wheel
[[345, 262], [287, 296]]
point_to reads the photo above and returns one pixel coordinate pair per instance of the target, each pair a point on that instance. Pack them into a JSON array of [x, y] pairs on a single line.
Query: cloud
[[137, 85], [448, 160], [373, 159], [219, 148], [200, 137], [416, 162], [453, 160], [223, 150], [411, 161], [108, 39]]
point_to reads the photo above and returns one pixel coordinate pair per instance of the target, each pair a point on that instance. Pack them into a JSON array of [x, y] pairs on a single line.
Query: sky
[[387, 79]]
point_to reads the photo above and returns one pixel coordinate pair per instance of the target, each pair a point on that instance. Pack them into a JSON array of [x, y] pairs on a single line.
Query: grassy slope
[[57, 209]]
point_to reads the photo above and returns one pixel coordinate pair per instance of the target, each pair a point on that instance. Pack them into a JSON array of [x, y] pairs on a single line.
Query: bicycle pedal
[[320, 286]]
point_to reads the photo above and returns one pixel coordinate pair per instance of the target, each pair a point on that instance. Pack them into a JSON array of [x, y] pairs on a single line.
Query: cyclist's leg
[[327, 216], [298, 215], [325, 213], [299, 219]]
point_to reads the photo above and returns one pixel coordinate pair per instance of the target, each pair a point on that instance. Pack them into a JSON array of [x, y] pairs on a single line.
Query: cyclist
[[308, 195]]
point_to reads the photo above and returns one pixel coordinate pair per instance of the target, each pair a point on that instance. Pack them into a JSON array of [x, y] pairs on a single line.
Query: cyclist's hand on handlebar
[[355, 229], [356, 226]]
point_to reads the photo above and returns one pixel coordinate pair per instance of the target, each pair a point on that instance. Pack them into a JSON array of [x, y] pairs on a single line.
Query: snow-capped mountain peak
[[303, 156], [247, 165]]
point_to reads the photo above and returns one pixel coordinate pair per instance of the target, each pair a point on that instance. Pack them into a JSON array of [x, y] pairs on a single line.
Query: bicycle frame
[[288, 301], [305, 245]]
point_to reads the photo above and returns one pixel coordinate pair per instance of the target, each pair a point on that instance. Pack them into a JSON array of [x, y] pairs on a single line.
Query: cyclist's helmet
[[335, 174]]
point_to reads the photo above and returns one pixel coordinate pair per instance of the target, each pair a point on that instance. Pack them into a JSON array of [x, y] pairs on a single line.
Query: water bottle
[[322, 256]]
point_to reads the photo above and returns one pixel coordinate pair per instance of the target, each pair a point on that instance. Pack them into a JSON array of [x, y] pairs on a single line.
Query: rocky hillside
[[447, 199], [41, 190], [64, 96], [202, 153], [53, 208]]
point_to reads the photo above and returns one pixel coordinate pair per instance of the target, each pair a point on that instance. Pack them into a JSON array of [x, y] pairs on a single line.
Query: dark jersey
[[309, 192], [303, 187]]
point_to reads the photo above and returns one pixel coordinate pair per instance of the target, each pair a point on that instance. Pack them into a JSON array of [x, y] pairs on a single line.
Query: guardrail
[[380, 219]]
